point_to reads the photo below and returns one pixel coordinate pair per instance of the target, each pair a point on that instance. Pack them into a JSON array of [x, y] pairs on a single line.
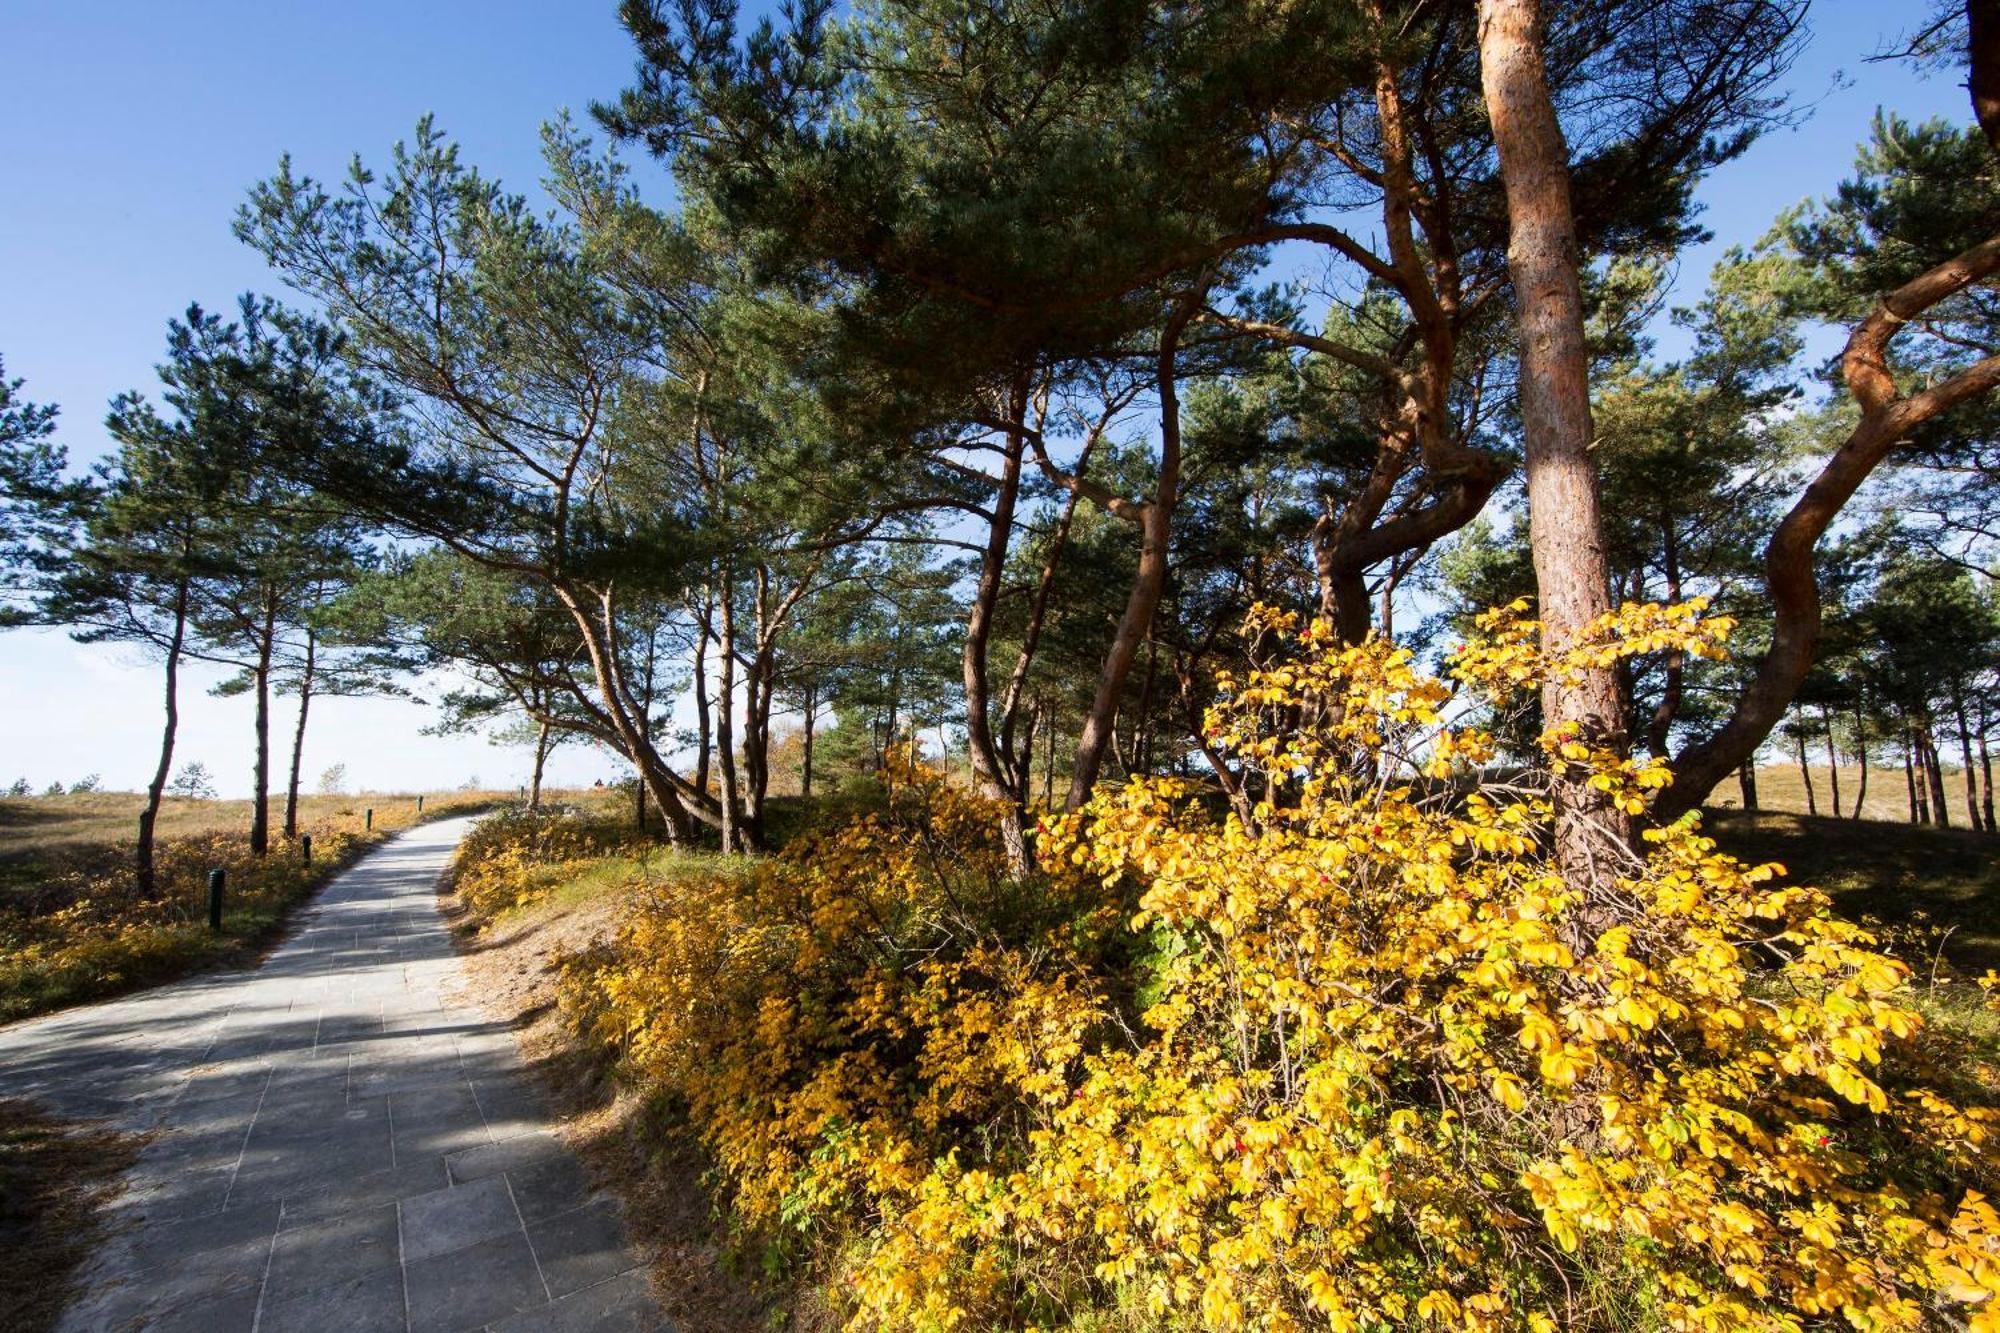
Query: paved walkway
[[336, 1146]]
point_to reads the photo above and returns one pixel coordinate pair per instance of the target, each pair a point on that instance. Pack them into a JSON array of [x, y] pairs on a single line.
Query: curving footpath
[[336, 1144]]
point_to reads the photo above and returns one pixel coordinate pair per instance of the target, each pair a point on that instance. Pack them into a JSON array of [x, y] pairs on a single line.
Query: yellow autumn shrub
[[1359, 1060], [840, 1014], [513, 859]]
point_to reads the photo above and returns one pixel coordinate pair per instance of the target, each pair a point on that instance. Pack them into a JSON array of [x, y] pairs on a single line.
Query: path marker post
[[215, 899], [306, 848], [420, 802], [368, 821]]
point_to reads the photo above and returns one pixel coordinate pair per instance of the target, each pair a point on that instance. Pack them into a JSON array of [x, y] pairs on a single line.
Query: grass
[[1923, 880], [39, 831], [74, 927], [1779, 787], [53, 1174]]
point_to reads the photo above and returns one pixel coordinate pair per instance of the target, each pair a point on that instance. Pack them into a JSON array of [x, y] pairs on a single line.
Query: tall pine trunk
[[299, 739], [260, 801], [1746, 782], [1805, 773], [1832, 763], [989, 767], [1566, 532], [149, 818]]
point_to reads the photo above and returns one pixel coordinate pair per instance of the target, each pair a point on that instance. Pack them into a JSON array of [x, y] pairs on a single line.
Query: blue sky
[[130, 131]]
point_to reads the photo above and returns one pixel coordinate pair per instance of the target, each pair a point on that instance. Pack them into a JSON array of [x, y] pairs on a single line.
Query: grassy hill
[[1779, 787]]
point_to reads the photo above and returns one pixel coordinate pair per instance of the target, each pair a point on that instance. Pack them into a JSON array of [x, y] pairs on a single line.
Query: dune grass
[[74, 926]]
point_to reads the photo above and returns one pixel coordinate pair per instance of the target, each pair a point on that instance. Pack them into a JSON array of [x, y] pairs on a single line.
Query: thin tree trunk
[[1746, 782], [1149, 581], [1917, 816], [806, 769], [645, 721], [299, 739], [1049, 762], [1940, 806], [1805, 773], [1861, 755], [701, 705], [1986, 773], [1661, 724], [149, 817], [725, 717], [1565, 529], [260, 801], [541, 761], [1965, 758], [615, 706], [1832, 762], [988, 769]]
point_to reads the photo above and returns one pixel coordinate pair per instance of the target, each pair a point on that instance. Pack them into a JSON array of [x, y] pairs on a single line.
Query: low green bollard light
[[215, 899]]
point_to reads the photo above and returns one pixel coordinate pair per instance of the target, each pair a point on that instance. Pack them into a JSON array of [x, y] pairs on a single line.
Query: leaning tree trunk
[[149, 818], [1149, 581], [1791, 582], [989, 769], [1805, 773], [299, 740], [260, 800], [1566, 533]]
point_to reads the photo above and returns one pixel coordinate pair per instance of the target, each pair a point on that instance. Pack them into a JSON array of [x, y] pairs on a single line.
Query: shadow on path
[[333, 1146]]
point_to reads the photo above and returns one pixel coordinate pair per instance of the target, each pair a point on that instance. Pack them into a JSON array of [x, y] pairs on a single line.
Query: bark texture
[[1565, 529]]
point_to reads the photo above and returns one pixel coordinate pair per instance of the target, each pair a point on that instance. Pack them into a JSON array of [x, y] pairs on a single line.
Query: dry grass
[[1893, 873], [75, 926], [37, 829], [53, 1176], [1779, 787]]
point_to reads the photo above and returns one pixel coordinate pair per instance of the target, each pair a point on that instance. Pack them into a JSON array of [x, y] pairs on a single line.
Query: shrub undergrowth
[[1362, 1059]]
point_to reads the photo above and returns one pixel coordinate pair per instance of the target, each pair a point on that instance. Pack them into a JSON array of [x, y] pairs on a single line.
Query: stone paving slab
[[333, 1146]]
